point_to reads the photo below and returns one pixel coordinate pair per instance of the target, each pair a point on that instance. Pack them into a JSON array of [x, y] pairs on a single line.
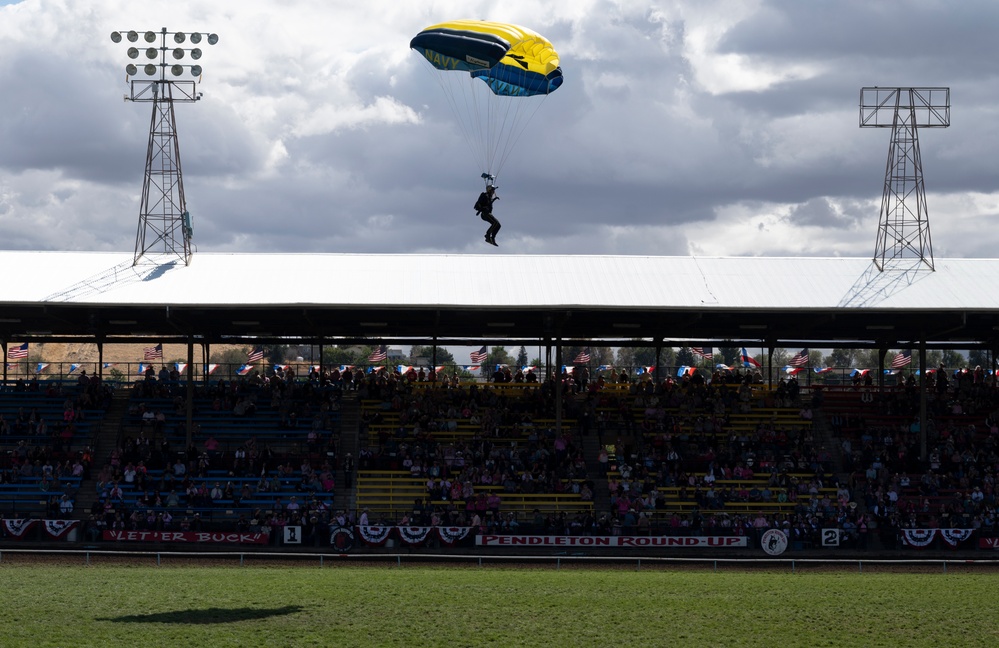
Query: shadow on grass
[[206, 616]]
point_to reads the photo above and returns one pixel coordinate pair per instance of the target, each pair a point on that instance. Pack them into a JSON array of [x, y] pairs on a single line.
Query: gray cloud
[[705, 127]]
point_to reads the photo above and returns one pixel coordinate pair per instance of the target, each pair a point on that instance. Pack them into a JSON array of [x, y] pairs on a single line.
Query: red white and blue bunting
[[58, 528], [374, 535], [922, 538], [954, 537], [411, 535], [919, 538], [414, 535], [18, 528], [451, 535]]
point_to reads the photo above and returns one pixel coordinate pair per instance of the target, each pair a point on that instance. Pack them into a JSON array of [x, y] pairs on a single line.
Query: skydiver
[[484, 208]]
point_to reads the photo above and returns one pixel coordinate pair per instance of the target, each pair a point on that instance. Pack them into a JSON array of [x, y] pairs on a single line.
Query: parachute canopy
[[507, 64], [512, 60]]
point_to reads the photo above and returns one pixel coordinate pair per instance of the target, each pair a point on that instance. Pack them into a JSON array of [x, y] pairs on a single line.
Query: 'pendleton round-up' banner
[[610, 541]]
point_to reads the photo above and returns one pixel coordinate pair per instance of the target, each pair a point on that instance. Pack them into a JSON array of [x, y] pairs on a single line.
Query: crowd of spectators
[[45, 437], [508, 446], [688, 455], [283, 472], [953, 486]]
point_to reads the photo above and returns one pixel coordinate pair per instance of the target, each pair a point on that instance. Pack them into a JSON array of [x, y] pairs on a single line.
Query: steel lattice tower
[[904, 228], [165, 230], [164, 222]]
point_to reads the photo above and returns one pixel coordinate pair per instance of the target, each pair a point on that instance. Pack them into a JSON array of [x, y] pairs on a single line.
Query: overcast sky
[[699, 127]]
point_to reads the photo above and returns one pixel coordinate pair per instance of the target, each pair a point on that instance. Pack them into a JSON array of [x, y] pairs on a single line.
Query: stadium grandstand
[[722, 452]]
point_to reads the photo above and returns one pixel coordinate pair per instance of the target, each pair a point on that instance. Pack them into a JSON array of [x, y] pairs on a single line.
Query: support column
[[922, 400], [190, 392], [770, 367], [559, 387]]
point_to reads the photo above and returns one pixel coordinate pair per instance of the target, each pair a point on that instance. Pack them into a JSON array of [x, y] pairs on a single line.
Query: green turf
[[46, 605]]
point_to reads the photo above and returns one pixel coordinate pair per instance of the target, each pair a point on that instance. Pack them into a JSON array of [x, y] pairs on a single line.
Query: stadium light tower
[[164, 222], [904, 230]]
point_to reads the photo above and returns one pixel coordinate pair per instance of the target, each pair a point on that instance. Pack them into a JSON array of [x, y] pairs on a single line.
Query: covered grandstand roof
[[383, 296]]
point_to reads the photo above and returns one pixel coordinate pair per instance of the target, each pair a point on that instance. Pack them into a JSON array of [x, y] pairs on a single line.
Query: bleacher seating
[[507, 426], [36, 497], [56, 415], [391, 494], [46, 430], [297, 422]]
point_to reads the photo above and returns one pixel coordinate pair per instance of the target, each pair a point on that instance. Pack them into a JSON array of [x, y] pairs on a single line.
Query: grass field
[[465, 605]]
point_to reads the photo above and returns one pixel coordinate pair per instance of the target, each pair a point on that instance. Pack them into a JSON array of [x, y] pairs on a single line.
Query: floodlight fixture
[[164, 222], [161, 53]]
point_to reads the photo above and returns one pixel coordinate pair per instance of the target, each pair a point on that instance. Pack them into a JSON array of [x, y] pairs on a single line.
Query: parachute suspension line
[[497, 117], [462, 102], [524, 115], [503, 114], [510, 126], [473, 105]]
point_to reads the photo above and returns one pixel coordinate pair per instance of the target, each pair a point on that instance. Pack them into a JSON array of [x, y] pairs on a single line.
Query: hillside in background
[[120, 353]]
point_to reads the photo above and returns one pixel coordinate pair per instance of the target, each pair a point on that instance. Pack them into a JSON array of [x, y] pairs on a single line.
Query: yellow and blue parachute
[[515, 64]]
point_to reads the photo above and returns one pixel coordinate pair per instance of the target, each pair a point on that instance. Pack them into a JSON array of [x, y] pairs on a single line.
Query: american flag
[[15, 353], [478, 356], [800, 359], [153, 353], [379, 354], [583, 356], [256, 355], [704, 352], [903, 359]]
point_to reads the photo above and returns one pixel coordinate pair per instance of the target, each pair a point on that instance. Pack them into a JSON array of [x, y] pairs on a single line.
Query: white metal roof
[[492, 281]]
